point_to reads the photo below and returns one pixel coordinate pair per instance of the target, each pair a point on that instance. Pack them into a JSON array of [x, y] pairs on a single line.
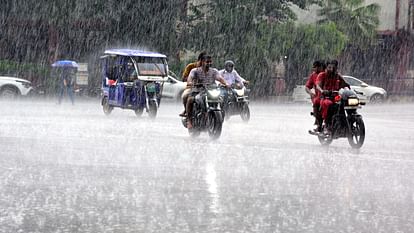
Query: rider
[[327, 82], [232, 77], [201, 76], [186, 72], [318, 67]]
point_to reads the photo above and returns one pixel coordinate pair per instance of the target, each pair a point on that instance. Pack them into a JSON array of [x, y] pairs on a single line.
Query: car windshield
[[351, 81], [152, 66]]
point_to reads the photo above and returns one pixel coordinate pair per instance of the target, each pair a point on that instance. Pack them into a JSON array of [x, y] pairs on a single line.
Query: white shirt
[[231, 77]]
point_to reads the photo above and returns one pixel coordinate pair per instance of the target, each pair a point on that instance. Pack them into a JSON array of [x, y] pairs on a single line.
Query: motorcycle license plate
[[151, 87]]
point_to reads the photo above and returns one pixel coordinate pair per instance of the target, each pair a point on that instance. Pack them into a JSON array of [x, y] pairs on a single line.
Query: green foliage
[[309, 43], [357, 21], [257, 36], [23, 70]]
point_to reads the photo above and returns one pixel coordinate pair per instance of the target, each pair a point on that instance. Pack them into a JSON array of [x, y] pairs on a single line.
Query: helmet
[[228, 66]]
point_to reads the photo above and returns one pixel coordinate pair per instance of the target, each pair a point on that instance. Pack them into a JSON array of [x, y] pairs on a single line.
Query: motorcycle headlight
[[240, 92], [353, 102], [214, 94]]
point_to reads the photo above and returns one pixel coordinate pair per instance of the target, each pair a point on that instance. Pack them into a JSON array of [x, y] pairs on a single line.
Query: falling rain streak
[[70, 168]]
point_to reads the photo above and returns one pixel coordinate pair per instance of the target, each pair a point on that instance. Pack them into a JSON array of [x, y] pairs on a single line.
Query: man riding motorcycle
[[328, 82], [201, 77], [232, 77], [230, 74]]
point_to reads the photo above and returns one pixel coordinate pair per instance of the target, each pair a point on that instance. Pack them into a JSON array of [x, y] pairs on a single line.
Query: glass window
[[351, 81], [152, 66]]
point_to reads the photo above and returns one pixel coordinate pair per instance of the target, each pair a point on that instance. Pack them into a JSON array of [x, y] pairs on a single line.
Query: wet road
[[72, 169]]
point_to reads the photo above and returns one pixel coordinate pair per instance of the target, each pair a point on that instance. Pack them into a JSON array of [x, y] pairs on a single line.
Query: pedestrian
[[66, 83]]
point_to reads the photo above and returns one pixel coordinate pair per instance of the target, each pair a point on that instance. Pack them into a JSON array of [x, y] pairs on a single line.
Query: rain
[[75, 167]]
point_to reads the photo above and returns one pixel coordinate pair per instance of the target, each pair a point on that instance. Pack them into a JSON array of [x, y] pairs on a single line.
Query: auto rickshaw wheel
[[152, 111], [107, 109], [139, 111]]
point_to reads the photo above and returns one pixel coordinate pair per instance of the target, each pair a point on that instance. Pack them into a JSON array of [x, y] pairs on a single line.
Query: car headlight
[[353, 102]]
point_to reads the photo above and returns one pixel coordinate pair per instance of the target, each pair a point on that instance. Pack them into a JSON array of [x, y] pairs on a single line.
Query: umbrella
[[65, 63]]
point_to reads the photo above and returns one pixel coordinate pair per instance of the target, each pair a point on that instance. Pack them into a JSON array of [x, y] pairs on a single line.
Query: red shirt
[[311, 84], [331, 83]]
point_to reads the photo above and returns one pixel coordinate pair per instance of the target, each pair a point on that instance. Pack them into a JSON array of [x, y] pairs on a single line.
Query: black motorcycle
[[206, 113], [235, 102], [345, 121]]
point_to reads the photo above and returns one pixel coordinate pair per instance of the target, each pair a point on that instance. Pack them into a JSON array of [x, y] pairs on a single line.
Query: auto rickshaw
[[133, 79]]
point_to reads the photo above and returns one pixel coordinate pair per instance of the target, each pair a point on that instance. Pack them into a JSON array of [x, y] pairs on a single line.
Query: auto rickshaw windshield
[[151, 66]]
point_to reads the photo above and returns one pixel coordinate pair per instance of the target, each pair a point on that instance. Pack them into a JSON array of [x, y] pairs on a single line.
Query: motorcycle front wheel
[[245, 113], [356, 137], [214, 124]]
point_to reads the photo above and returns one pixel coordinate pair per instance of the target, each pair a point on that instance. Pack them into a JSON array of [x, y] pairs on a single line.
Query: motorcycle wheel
[[194, 132], [152, 111], [324, 139], [214, 124], [245, 113], [356, 137], [226, 115], [225, 112], [107, 109]]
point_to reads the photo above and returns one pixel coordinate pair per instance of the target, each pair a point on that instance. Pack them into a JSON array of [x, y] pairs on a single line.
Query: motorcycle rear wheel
[[194, 132], [325, 140], [356, 137]]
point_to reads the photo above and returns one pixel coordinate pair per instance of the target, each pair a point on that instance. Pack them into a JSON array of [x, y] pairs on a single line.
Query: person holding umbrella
[[67, 70]]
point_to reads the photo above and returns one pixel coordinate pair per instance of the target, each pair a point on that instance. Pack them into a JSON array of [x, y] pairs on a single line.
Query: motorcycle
[[206, 113], [345, 121], [236, 102]]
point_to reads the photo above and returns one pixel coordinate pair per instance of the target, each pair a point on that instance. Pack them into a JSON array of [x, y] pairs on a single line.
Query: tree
[[256, 34], [358, 21]]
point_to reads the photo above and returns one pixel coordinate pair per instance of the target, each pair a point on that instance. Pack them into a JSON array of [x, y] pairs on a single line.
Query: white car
[[370, 93], [365, 92], [173, 87], [12, 87]]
